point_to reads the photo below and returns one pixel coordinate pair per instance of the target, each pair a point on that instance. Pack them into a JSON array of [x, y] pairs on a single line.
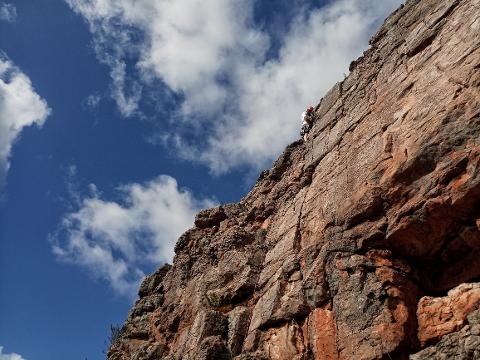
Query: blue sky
[[120, 119]]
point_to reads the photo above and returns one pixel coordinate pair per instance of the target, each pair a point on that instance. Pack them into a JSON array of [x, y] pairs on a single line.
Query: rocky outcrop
[[440, 316], [463, 344], [347, 247]]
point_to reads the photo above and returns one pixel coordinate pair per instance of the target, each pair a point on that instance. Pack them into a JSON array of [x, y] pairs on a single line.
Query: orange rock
[[443, 315], [322, 334]]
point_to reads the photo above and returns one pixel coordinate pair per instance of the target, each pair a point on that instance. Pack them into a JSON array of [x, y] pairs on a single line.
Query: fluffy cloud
[[115, 239], [20, 106], [212, 54], [8, 12], [11, 356], [188, 44]]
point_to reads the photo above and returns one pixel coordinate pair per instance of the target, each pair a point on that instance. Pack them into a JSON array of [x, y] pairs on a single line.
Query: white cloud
[[11, 356], [8, 12], [93, 100], [20, 106], [126, 97], [188, 44], [211, 53], [114, 239]]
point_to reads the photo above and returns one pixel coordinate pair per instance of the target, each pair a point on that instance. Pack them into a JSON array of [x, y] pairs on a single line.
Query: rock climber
[[307, 122]]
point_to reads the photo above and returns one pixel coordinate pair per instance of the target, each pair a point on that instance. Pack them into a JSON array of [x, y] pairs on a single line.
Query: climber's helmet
[[310, 109]]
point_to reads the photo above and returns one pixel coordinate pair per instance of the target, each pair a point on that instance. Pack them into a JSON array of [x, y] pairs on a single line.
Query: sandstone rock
[[374, 303], [322, 334], [210, 217], [330, 253], [284, 343], [463, 344], [213, 348], [440, 316], [152, 282], [208, 323], [238, 322]]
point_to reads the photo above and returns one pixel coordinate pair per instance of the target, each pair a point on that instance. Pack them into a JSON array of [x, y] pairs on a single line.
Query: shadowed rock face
[[347, 247]]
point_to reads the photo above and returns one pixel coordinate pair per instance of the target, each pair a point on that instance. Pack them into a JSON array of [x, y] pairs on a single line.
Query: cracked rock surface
[[350, 246]]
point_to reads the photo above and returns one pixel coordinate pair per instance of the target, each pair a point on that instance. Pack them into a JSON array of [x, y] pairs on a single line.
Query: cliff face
[[354, 244]]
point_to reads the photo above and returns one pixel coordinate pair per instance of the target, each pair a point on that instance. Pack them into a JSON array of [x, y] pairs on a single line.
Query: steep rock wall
[[331, 252]]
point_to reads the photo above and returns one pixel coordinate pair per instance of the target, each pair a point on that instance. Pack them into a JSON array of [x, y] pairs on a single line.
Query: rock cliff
[[363, 242]]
